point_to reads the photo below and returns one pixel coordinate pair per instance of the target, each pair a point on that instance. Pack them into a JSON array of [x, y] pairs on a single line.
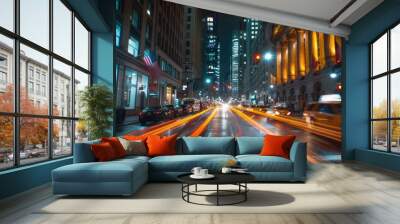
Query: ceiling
[[328, 16]]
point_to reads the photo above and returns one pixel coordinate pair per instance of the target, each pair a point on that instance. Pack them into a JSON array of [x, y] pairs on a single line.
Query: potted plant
[[96, 102]]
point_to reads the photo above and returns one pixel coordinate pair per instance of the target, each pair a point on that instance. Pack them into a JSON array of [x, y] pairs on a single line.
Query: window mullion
[[73, 81], [16, 85], [389, 106]]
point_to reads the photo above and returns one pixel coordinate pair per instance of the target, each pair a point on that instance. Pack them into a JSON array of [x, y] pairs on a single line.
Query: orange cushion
[[103, 152], [277, 145], [116, 145], [161, 146]]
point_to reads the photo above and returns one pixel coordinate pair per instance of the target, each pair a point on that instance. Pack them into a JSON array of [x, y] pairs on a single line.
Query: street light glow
[[208, 80], [268, 56], [271, 86], [333, 75]]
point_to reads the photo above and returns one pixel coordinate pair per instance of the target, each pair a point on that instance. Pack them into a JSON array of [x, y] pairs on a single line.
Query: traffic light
[[257, 58]]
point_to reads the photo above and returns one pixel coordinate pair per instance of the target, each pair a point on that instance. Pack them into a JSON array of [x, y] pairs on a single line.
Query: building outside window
[[118, 34], [133, 46], [385, 96], [45, 131]]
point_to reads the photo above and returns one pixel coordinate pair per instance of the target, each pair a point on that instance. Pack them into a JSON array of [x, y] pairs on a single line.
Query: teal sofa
[[125, 176]]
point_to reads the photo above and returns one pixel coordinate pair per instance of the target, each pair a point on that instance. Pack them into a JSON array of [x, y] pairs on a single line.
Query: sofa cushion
[[104, 152], [161, 146], [249, 145], [112, 171], [116, 145], [185, 163], [277, 145], [257, 163], [208, 145]]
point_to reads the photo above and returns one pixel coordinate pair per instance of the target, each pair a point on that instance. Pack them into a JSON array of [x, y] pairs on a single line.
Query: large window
[[385, 94], [40, 80]]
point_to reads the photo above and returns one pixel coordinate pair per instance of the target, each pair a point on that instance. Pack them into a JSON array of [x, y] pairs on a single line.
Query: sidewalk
[[130, 123]]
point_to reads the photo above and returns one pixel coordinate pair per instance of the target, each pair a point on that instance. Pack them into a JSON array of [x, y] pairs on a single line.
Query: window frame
[[388, 74], [16, 114]]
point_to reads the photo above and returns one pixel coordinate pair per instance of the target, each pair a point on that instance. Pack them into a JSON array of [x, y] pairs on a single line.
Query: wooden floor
[[378, 189]]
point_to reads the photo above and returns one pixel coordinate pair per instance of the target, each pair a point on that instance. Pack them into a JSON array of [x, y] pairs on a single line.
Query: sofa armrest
[[298, 155], [83, 152]]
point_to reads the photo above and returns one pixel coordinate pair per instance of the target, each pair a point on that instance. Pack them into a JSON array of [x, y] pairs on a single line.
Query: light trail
[[175, 124], [251, 121], [311, 158], [200, 130], [327, 132]]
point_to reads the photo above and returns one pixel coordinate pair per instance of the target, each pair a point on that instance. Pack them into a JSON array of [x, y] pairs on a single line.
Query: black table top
[[220, 178]]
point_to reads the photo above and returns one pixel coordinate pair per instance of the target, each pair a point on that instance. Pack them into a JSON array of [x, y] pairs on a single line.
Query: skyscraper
[[235, 64], [193, 55], [212, 50]]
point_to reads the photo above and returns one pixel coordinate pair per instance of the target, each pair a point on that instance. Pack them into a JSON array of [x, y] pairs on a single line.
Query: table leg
[[196, 187], [217, 194]]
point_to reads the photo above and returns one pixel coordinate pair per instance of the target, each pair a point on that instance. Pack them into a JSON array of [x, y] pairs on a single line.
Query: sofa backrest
[[83, 152], [206, 145], [249, 145]]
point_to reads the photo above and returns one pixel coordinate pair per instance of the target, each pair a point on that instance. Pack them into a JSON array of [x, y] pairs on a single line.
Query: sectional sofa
[[125, 176]]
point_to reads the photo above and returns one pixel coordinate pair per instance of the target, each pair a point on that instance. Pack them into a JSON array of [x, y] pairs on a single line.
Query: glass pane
[[395, 136], [395, 47], [6, 74], [379, 56], [81, 131], [379, 98], [33, 140], [81, 45], [6, 142], [395, 95], [62, 89], [7, 14], [62, 29], [35, 21], [379, 135], [81, 81], [62, 138], [34, 79]]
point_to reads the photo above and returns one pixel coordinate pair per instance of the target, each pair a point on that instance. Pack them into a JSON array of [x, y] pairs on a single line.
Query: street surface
[[228, 121]]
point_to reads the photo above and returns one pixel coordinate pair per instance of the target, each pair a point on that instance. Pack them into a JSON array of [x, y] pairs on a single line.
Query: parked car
[[325, 113], [168, 111], [153, 113], [191, 105], [179, 111]]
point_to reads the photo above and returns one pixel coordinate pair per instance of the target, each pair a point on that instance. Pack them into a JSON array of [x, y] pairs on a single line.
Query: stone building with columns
[[308, 65]]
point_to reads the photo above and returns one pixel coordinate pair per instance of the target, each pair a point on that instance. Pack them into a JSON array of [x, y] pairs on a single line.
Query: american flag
[[151, 63], [148, 58]]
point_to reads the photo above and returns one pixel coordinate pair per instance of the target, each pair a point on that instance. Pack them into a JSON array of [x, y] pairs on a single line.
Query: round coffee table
[[238, 179]]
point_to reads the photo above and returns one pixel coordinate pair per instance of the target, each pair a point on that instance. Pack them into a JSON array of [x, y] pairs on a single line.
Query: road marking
[[200, 130]]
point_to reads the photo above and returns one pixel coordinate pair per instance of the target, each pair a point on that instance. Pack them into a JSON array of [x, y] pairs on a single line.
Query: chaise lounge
[[125, 176]]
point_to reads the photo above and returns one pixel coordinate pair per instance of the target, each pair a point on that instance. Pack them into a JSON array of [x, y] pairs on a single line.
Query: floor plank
[[377, 190]]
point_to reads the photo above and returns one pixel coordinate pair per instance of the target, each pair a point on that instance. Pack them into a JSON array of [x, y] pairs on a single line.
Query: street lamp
[[268, 56], [271, 86], [333, 75], [208, 80]]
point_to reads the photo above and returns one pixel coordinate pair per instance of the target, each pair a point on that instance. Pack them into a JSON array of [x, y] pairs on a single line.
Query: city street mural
[[191, 72], [180, 70]]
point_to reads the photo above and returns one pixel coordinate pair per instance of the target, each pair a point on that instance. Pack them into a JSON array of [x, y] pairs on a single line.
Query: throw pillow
[[161, 146], [103, 152], [116, 145], [136, 148], [277, 145]]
